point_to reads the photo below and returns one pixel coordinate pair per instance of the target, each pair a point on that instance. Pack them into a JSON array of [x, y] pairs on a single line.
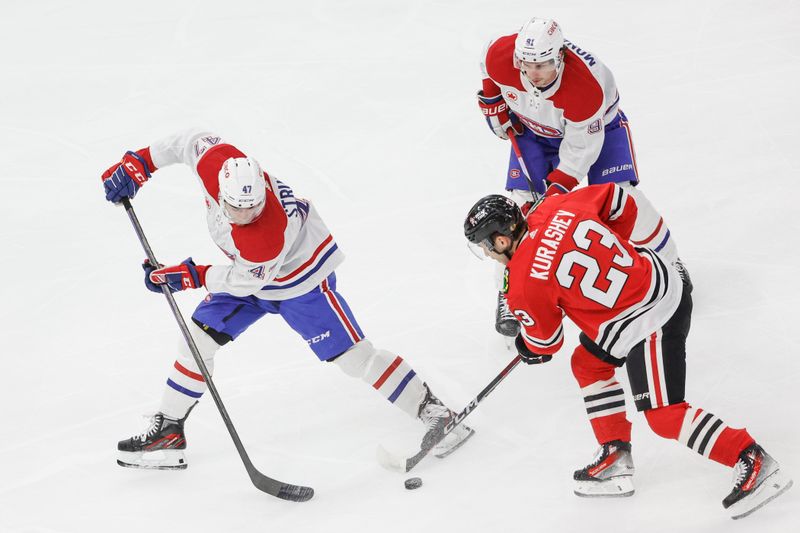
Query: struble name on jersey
[[549, 243]]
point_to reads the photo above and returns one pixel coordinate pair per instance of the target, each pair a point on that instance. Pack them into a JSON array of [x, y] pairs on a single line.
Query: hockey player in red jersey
[[572, 256], [562, 105], [281, 262]]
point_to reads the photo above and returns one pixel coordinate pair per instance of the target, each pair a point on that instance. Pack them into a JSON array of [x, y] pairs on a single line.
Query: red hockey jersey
[[577, 261]]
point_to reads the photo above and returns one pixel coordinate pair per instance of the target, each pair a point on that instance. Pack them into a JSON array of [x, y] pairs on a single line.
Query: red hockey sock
[[603, 396], [699, 430]]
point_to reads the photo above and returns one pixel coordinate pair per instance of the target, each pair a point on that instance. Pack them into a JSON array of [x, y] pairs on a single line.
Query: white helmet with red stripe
[[539, 40]]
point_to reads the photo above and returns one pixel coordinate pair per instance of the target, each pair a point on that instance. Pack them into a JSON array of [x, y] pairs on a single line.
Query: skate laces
[[741, 470], [151, 427], [505, 311], [433, 414], [599, 454]]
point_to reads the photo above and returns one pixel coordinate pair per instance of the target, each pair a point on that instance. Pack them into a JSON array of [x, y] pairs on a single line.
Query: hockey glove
[[527, 355], [124, 179], [148, 268], [498, 116], [559, 183], [187, 275]]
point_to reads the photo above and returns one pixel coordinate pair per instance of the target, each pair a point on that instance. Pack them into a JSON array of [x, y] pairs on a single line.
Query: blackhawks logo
[[505, 281]]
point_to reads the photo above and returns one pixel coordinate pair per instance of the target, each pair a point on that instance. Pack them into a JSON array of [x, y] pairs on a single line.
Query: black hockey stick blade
[[284, 491]]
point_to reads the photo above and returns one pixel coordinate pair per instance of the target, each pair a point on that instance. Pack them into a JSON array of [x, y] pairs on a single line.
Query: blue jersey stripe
[[305, 276], [663, 243]]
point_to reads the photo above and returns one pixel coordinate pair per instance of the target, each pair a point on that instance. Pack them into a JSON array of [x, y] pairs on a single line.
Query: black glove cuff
[[527, 355]]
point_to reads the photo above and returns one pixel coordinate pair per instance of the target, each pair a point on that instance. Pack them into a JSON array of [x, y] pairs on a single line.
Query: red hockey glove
[[187, 275], [123, 179], [559, 183], [498, 116], [527, 355]]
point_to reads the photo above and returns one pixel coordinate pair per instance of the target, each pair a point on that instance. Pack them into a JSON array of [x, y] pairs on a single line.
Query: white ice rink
[[368, 108]]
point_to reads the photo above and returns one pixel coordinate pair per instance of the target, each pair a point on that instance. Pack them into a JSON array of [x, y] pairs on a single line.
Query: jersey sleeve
[[542, 325], [489, 87], [581, 146], [186, 146], [242, 277]]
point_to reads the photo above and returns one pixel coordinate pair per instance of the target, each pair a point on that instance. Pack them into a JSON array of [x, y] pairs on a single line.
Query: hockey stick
[[515, 146], [400, 464], [284, 491]]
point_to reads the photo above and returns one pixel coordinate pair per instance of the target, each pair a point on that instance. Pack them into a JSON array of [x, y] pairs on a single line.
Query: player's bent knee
[[356, 361], [206, 343], [666, 421]]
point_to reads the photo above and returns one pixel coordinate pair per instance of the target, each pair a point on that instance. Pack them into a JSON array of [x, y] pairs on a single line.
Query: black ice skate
[[159, 447], [609, 475], [436, 416], [757, 480], [505, 323]]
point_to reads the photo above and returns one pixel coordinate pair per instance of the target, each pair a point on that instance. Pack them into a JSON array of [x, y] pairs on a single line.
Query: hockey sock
[[700, 431], [389, 374], [603, 396], [185, 384]]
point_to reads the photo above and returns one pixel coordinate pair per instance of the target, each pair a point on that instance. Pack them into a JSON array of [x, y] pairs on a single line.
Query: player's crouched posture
[[572, 256], [282, 261], [562, 105]]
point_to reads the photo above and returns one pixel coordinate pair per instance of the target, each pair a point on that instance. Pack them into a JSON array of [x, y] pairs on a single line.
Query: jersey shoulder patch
[[264, 239], [500, 62], [580, 95]]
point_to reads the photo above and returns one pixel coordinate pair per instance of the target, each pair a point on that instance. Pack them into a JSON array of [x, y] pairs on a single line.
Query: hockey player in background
[[573, 256], [282, 261], [561, 103]]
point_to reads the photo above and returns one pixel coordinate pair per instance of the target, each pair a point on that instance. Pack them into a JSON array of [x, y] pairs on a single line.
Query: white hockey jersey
[[285, 253], [575, 107]]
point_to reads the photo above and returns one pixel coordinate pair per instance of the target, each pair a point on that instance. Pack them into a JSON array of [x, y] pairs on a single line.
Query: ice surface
[[368, 108]]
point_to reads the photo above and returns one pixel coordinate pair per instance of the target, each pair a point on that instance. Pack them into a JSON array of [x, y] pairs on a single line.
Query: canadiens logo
[[511, 96], [595, 126], [515, 173], [541, 129]]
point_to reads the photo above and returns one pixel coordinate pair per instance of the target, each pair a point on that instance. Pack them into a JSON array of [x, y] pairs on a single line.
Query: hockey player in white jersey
[[282, 261], [562, 105]]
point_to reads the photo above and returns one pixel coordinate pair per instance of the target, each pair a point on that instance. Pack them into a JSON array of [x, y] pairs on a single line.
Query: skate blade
[[448, 451], [615, 487], [157, 460], [772, 487]]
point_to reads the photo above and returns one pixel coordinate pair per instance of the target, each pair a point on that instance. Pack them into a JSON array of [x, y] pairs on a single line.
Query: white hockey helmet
[[242, 189], [539, 40]]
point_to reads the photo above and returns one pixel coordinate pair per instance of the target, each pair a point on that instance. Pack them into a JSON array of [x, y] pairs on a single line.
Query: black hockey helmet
[[493, 214]]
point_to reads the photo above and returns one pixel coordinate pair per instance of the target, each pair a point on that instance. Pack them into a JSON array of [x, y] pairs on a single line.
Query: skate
[[757, 480], [505, 323], [159, 447], [436, 416], [609, 475]]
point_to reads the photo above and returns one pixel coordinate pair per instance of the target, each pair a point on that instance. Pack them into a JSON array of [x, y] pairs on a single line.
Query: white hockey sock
[[185, 384], [387, 373]]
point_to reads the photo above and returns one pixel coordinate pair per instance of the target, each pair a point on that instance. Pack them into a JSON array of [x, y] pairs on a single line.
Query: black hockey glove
[[527, 355]]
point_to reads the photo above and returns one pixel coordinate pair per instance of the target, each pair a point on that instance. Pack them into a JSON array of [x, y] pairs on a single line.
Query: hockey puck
[[413, 483]]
